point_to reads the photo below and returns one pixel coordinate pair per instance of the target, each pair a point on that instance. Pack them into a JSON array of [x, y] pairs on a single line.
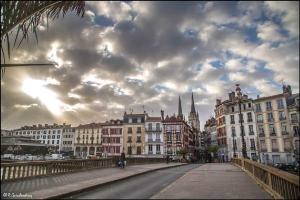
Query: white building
[[51, 135], [274, 128], [229, 127], [68, 138], [154, 137]]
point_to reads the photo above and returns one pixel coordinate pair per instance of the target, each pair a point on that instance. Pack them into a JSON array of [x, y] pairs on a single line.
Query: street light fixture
[[239, 97]]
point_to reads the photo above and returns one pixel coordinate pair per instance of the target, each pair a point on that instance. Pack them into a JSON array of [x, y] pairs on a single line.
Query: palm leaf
[[25, 16]]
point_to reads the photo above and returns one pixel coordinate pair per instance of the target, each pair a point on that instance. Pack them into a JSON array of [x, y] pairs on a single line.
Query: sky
[[143, 55]]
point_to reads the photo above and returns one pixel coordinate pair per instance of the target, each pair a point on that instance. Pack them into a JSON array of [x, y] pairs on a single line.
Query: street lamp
[[239, 97]]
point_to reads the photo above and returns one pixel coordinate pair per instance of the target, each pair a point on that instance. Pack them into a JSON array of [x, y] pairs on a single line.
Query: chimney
[[218, 102], [231, 96]]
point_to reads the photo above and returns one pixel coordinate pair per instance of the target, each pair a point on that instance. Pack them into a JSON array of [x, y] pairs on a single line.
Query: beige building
[[274, 130], [134, 134], [88, 140]]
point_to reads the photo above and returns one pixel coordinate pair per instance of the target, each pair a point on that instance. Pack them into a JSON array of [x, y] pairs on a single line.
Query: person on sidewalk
[[123, 159]]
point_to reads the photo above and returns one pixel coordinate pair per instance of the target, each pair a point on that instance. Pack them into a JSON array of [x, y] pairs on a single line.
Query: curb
[[60, 196]]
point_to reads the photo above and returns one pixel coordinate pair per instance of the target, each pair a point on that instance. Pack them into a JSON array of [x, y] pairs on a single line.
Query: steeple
[[193, 105], [179, 109]]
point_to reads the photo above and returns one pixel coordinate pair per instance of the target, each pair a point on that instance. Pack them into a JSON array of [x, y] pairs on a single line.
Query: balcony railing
[[281, 184], [294, 120], [232, 122], [153, 130], [270, 120], [287, 149], [250, 120], [261, 135], [272, 134], [285, 133], [251, 133], [275, 150], [269, 108], [282, 118]]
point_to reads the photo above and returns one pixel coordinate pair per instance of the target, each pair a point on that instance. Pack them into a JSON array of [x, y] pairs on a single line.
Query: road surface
[[139, 187]]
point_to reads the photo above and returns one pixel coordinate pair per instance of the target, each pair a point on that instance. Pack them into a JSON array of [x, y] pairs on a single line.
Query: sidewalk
[[214, 181], [55, 186]]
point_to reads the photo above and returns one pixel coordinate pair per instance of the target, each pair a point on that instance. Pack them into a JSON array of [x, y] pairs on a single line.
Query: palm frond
[[26, 16]]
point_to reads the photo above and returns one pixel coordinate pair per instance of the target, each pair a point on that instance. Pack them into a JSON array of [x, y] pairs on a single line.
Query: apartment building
[[88, 140], [134, 134], [51, 135], [68, 139], [231, 125], [274, 125], [112, 137], [154, 137]]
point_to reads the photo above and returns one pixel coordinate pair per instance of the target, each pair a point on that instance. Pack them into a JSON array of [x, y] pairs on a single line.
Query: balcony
[[153, 130], [260, 121], [269, 108], [275, 150], [232, 122], [285, 133], [258, 110], [282, 118], [280, 107], [150, 140], [252, 148], [158, 152], [272, 134], [287, 149], [261, 135], [157, 140], [150, 152], [250, 120], [251, 133], [270, 120], [294, 120]]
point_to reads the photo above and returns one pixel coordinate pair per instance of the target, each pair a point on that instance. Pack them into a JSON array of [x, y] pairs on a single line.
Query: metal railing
[[21, 170], [279, 183]]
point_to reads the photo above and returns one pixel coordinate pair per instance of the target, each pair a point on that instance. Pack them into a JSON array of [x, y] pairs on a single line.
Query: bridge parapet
[[279, 183], [21, 170]]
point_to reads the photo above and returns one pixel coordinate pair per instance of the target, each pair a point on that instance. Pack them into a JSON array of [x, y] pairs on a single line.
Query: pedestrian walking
[[123, 159]]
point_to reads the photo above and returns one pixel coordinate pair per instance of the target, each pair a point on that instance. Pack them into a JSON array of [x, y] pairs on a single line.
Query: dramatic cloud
[[143, 55]]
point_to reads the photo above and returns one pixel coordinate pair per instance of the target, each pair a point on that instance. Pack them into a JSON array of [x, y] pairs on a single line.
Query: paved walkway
[[53, 186], [214, 181]]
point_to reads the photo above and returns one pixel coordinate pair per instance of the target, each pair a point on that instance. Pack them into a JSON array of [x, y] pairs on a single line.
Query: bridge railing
[[21, 170], [277, 182]]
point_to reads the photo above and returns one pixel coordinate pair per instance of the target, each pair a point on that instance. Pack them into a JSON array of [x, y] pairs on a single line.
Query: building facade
[[154, 137], [134, 134], [68, 139], [112, 137], [274, 128], [51, 135], [88, 140], [231, 125]]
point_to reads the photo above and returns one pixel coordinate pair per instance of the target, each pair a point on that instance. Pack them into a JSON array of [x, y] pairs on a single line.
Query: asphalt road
[[139, 187]]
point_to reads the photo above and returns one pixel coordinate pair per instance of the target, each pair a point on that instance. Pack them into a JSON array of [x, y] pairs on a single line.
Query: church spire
[[179, 109], [193, 105]]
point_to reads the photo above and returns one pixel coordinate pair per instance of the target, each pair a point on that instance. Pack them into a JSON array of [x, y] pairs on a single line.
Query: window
[[157, 126], [150, 137], [139, 120], [272, 129], [276, 158], [38, 137], [249, 105], [284, 129], [270, 117], [249, 116], [178, 136], [54, 131], [150, 148], [282, 115], [232, 109], [53, 141], [139, 130], [33, 132], [150, 126], [169, 137], [260, 118], [138, 150], [280, 104], [138, 139], [129, 130], [294, 118], [157, 149], [129, 139], [233, 134], [296, 130], [269, 105], [251, 131], [157, 137], [129, 150], [244, 106], [44, 136], [252, 144], [232, 119], [58, 131], [49, 136], [58, 136], [129, 120], [274, 145], [53, 136], [134, 120]]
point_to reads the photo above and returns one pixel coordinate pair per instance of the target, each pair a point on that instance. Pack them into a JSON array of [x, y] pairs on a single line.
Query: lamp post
[[239, 97]]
